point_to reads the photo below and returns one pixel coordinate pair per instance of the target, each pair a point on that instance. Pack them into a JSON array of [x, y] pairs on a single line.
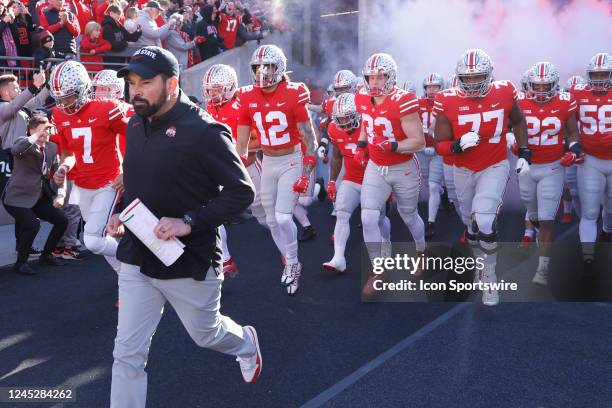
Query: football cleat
[[250, 367], [296, 272], [490, 297], [540, 278], [335, 265]]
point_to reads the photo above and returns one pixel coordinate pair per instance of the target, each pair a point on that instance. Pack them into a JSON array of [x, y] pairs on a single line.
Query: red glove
[[514, 149], [570, 158], [386, 146], [199, 39], [606, 141], [301, 185], [331, 190], [361, 154]]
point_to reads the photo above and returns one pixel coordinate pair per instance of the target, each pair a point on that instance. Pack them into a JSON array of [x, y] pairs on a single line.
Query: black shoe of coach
[[23, 269], [49, 259]]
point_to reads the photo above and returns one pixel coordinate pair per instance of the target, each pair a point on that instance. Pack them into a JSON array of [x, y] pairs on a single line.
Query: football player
[[409, 86], [429, 161], [107, 85], [594, 102], [551, 120], [471, 120], [220, 90], [88, 131], [391, 130], [276, 108], [344, 133]]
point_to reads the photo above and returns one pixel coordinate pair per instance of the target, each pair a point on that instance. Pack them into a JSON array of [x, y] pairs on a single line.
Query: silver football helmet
[[219, 84], [525, 81], [573, 81], [107, 85], [380, 64], [409, 86], [543, 82], [70, 86], [344, 81], [344, 113], [601, 62], [432, 79], [273, 65], [474, 63]]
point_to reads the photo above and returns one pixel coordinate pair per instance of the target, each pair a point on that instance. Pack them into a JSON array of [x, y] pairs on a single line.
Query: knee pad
[[471, 238], [282, 218], [94, 243], [369, 218], [343, 216], [488, 242]]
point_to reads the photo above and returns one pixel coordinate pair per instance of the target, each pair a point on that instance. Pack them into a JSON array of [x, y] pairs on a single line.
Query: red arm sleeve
[[443, 148], [103, 46], [72, 24]]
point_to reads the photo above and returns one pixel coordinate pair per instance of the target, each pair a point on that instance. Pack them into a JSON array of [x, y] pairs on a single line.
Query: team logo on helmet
[[474, 72], [268, 66], [380, 64], [219, 84], [70, 86], [543, 82], [599, 72]]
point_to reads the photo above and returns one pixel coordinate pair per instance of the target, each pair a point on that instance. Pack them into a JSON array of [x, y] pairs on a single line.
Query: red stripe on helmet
[[471, 59], [373, 63], [261, 53], [56, 83], [600, 59], [542, 71]]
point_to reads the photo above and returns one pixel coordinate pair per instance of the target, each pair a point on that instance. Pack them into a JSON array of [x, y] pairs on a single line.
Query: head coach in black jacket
[[183, 166]]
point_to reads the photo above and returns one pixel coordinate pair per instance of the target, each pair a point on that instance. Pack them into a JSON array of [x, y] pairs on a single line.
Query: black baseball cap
[[151, 61], [154, 4]]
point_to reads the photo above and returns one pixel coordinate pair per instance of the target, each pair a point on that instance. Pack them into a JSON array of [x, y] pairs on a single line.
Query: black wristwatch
[[189, 221]]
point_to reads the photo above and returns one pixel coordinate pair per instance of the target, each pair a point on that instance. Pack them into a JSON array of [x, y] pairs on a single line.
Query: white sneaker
[[286, 277], [540, 278], [490, 297], [251, 366], [335, 265], [296, 272]]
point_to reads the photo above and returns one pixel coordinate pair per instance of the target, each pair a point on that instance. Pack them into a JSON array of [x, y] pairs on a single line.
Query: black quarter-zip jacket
[[183, 162]]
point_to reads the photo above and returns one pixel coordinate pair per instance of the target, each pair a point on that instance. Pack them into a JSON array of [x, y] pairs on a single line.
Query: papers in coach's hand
[[141, 222]]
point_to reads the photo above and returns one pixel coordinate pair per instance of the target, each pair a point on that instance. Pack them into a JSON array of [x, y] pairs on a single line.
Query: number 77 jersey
[[275, 115], [91, 134], [487, 116]]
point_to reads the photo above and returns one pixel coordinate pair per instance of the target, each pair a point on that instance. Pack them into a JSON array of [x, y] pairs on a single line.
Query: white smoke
[[429, 36]]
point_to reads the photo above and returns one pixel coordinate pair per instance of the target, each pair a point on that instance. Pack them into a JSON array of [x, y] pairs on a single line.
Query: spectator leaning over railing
[[115, 33], [207, 28], [180, 44], [151, 33], [29, 194], [64, 26], [92, 45], [7, 41]]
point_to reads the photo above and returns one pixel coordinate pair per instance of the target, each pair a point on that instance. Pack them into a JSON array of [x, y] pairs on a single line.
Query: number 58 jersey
[[275, 115], [487, 116], [594, 120], [91, 134]]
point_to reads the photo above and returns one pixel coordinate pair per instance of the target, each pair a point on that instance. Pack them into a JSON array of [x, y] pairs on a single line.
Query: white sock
[[385, 228], [371, 232], [417, 228], [301, 214], [434, 201], [226, 252], [277, 236], [543, 263], [342, 231], [587, 230]]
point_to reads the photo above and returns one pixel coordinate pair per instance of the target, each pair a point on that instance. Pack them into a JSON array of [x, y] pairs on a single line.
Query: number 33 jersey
[[275, 115], [545, 124], [382, 122], [594, 120], [487, 116], [91, 134]]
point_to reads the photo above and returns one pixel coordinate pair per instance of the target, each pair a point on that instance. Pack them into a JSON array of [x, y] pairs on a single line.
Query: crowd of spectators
[[95, 31]]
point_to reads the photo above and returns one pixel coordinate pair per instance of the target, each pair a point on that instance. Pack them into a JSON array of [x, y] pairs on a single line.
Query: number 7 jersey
[[91, 134], [487, 116], [275, 115]]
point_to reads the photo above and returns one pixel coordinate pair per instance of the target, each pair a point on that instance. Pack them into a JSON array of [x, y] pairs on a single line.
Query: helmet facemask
[[219, 94], [266, 76], [599, 80], [77, 98], [347, 122], [542, 92], [474, 89], [381, 90]]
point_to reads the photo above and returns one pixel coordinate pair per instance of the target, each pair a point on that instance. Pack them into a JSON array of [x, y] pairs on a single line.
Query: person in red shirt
[[64, 26], [88, 131], [228, 24], [470, 123], [551, 122], [276, 108], [594, 101], [344, 133], [92, 45], [220, 86], [392, 131]]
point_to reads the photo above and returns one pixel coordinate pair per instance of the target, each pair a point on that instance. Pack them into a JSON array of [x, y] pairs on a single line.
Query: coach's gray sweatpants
[[142, 301]]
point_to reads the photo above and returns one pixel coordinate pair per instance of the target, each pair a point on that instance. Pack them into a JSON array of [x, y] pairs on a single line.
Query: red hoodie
[[100, 45]]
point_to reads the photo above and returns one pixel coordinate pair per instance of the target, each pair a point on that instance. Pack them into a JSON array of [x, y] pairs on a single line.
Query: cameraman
[[28, 195]]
